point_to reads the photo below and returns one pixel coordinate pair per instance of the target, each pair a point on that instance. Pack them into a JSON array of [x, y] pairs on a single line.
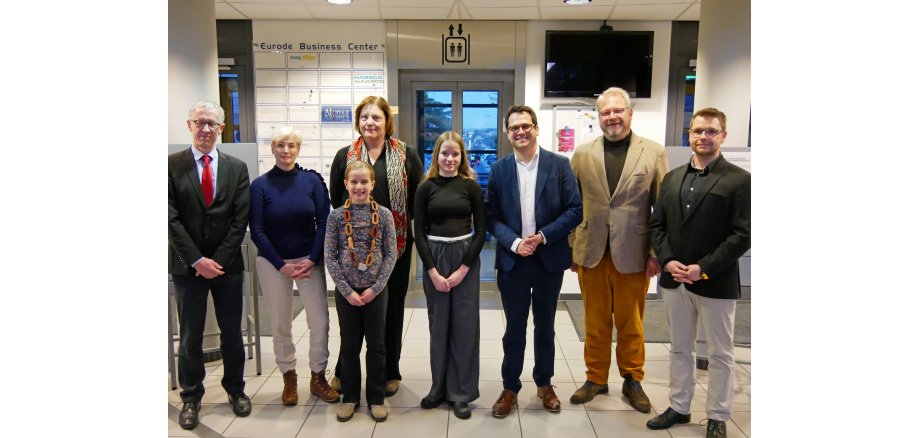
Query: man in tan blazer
[[618, 174]]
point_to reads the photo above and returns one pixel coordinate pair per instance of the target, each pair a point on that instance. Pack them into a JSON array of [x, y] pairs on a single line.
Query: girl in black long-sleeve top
[[450, 226]]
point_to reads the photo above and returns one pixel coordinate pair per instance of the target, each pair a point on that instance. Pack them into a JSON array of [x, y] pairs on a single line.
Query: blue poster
[[336, 114]]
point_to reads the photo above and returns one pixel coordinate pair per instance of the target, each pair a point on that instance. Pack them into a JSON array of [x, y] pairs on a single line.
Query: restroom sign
[[455, 48]]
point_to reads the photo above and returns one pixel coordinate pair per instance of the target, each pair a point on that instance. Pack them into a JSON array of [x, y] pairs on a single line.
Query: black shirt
[[689, 190], [615, 160], [444, 208]]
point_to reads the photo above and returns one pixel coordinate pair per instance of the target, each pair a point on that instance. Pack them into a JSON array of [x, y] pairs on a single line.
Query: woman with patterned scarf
[[398, 171]]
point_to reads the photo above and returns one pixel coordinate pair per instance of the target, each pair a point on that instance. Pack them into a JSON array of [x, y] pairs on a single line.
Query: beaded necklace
[[375, 234]]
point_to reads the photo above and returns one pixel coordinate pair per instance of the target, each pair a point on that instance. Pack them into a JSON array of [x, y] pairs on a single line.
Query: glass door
[[474, 109]]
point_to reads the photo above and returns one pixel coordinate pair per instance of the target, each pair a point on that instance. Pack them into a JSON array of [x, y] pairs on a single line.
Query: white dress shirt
[[527, 187]]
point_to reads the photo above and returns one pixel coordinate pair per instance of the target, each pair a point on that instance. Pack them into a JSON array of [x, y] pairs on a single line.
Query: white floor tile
[[482, 423], [270, 421], [566, 423], [491, 349], [416, 348], [415, 368], [176, 430], [323, 423], [417, 331], [566, 332], [629, 423], [571, 350], [413, 422], [743, 421], [491, 330], [491, 317], [489, 369], [654, 351]]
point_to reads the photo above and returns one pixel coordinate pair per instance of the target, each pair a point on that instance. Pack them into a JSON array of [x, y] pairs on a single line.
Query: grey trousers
[[718, 321], [453, 321], [278, 292]]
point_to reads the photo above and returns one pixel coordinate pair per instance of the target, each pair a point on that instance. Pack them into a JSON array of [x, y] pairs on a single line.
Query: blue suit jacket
[[557, 210]]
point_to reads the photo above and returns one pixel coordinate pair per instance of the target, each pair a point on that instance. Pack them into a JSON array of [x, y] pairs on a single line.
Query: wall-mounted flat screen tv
[[585, 63]]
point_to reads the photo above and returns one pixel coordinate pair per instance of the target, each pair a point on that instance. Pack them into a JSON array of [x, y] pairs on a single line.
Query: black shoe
[[716, 429], [635, 395], [461, 410], [188, 418], [429, 404], [667, 419], [241, 405]]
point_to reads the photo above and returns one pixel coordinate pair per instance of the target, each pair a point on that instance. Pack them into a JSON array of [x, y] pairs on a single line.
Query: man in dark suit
[[208, 214], [532, 204], [701, 226]]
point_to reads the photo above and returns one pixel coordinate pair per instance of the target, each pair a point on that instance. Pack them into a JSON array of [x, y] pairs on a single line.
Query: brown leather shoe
[[502, 406], [587, 392], [289, 394], [550, 401], [635, 395], [321, 389]]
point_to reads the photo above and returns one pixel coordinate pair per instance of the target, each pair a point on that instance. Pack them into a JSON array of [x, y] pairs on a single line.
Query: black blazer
[[215, 232], [713, 234]]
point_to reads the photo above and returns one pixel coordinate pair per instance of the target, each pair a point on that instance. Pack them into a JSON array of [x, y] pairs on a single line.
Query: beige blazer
[[620, 220]]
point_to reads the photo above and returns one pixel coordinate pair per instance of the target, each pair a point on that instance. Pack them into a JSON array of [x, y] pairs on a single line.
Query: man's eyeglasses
[[523, 127], [613, 111], [710, 133], [202, 123]]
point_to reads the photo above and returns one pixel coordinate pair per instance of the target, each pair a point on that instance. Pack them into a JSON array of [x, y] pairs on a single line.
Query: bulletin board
[[572, 126]]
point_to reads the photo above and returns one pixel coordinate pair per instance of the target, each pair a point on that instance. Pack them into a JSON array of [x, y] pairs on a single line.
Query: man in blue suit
[[532, 204]]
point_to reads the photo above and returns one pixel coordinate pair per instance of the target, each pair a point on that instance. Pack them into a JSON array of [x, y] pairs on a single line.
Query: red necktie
[[207, 181]]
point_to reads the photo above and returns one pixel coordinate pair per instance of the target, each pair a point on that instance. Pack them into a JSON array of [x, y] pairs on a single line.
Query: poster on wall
[[574, 125], [309, 75]]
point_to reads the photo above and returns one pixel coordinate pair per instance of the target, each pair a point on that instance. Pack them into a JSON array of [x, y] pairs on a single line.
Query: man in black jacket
[[700, 227], [208, 214]]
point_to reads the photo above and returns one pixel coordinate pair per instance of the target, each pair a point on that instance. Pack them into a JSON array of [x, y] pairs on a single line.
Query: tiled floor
[[606, 416]]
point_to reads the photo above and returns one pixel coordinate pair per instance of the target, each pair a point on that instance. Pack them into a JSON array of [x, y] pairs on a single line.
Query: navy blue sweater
[[287, 217]]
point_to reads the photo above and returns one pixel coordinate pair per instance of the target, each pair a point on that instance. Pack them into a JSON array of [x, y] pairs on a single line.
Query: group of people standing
[[613, 214]]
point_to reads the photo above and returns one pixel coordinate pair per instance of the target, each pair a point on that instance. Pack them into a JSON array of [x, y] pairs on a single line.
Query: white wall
[[650, 116], [192, 62]]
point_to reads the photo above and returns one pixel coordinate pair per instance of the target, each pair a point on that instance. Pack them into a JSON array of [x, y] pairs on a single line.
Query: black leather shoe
[[188, 418], [429, 404], [716, 429], [461, 410], [241, 405], [667, 419]]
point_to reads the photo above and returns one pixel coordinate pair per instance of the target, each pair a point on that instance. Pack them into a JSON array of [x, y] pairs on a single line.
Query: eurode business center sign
[[313, 46]]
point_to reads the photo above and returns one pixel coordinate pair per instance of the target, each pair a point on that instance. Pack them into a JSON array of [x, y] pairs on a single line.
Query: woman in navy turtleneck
[[287, 219]]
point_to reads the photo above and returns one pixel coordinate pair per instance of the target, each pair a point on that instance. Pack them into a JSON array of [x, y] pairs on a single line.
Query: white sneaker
[[345, 412], [379, 413]]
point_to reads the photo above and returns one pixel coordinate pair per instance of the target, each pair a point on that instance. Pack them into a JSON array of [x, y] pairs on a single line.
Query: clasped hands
[[299, 270], [363, 299], [683, 273], [442, 284], [529, 245]]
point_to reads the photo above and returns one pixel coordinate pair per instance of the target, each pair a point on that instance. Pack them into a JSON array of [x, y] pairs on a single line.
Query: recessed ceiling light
[[572, 2], [345, 2]]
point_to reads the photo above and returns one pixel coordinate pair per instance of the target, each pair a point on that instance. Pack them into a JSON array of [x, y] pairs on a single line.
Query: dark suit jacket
[[557, 210], [215, 232], [713, 234]]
